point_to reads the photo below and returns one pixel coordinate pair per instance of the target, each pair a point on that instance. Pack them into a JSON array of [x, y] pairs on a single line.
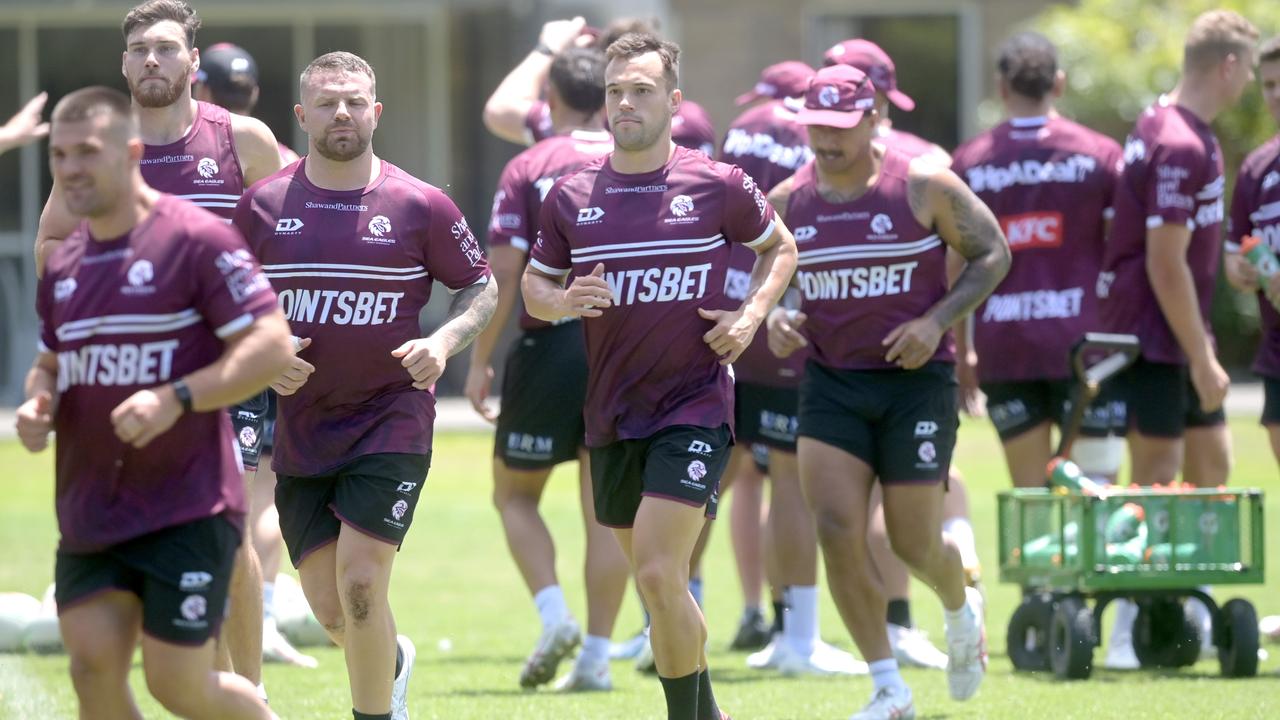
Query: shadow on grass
[[451, 659]]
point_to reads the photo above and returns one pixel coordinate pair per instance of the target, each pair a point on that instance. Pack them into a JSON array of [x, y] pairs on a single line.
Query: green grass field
[[455, 581]]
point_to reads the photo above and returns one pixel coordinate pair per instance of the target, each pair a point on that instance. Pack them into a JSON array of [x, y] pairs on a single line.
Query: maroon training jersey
[[1255, 210], [353, 269], [866, 267], [1172, 176], [132, 313], [527, 179], [767, 143], [201, 167], [691, 126], [664, 238], [1050, 182]]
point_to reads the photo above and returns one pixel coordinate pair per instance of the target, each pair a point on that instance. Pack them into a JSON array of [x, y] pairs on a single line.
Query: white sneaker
[[889, 703], [825, 660], [627, 649], [400, 688], [644, 659], [1269, 628], [555, 644], [1120, 654], [586, 676], [276, 647], [911, 648], [767, 659], [967, 650]]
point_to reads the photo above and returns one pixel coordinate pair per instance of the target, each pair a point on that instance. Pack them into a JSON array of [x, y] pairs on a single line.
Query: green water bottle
[[1260, 256], [1125, 524], [1066, 474], [1165, 553], [1127, 553]]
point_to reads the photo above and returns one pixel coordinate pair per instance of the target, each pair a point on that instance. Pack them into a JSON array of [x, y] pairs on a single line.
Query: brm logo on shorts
[[1033, 230], [926, 429], [697, 447]]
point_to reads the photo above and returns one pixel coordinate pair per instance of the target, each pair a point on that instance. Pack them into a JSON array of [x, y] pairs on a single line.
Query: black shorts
[[269, 424], [181, 574], [1162, 401], [249, 419], [1271, 401], [681, 463], [900, 422], [543, 390], [374, 494], [1016, 407], [767, 415]]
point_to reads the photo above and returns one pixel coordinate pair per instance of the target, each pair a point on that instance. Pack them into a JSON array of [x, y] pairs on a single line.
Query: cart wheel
[[1165, 635], [1238, 639], [1071, 639], [1028, 634]]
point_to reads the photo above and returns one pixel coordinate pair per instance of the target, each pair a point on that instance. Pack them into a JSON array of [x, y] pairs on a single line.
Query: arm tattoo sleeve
[[469, 313], [979, 240]]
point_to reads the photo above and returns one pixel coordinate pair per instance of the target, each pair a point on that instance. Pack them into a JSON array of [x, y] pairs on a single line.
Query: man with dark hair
[[25, 125], [1050, 183], [353, 245], [1253, 212], [647, 232], [516, 113], [203, 153], [878, 398], [1162, 258], [154, 317], [544, 380]]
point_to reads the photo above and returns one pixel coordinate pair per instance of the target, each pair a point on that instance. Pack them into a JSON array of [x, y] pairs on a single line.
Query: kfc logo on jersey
[[681, 205], [590, 215], [1033, 230], [194, 608], [805, 233], [828, 96], [207, 167], [63, 289], [288, 226], [881, 224], [140, 275], [380, 225]]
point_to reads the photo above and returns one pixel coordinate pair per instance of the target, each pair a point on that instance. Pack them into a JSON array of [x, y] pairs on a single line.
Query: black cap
[[227, 70]]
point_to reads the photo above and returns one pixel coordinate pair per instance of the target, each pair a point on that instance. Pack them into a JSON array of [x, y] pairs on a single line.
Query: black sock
[[399, 661], [707, 708], [682, 697], [899, 612], [779, 608], [369, 716]]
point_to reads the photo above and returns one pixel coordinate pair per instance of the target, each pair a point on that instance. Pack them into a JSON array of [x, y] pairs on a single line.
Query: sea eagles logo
[[399, 509], [380, 225], [194, 607], [681, 205], [248, 437], [63, 289], [881, 224], [207, 168], [141, 273], [697, 470], [828, 96], [927, 451]]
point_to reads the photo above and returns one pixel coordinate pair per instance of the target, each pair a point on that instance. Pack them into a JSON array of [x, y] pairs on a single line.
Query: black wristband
[[183, 393], [545, 49]]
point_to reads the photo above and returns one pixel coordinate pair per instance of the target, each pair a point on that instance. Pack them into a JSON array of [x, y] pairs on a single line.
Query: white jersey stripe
[[136, 319], [651, 253], [910, 248], [208, 196], [649, 244], [66, 335], [343, 266], [768, 232], [352, 275], [234, 327], [545, 268], [808, 259]]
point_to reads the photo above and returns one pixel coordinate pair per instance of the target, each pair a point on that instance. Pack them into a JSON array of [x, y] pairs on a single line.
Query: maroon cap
[[876, 63], [782, 80], [838, 96]]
